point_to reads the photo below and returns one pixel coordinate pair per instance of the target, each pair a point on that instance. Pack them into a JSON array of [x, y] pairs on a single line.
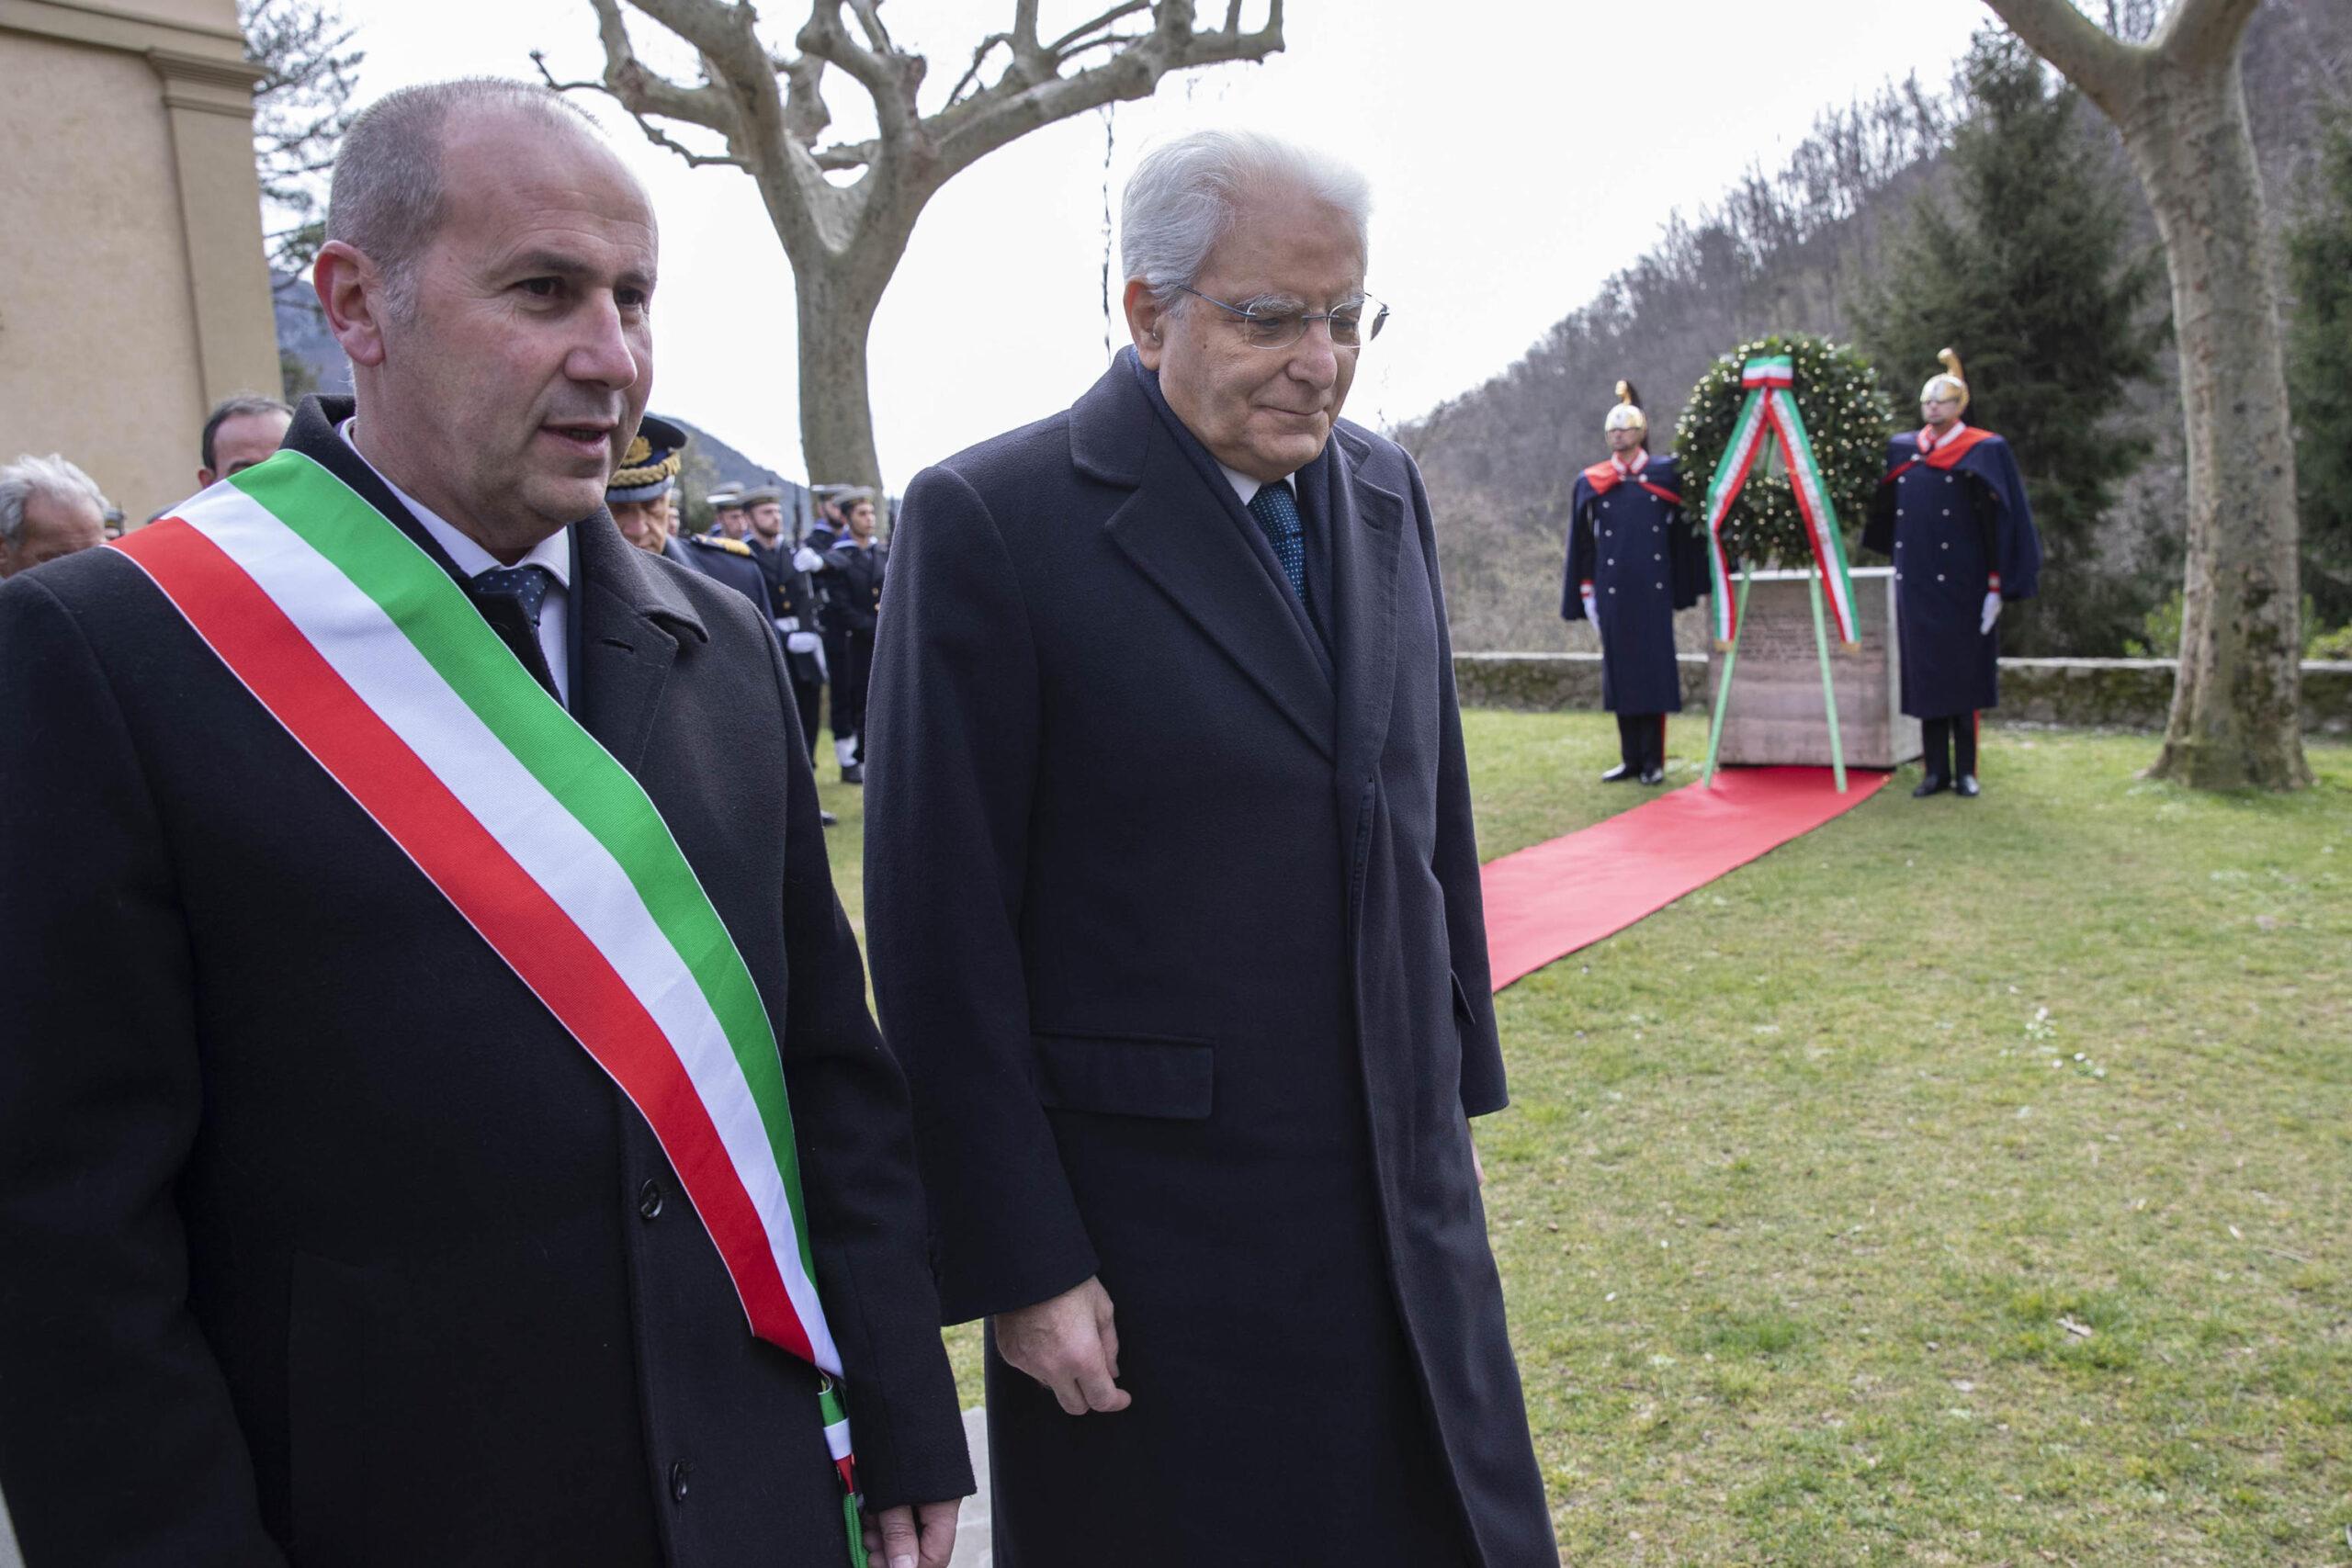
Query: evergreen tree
[[2319, 376], [2031, 275]]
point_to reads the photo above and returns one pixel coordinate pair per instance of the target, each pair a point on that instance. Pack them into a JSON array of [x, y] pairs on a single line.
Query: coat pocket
[[1464, 1014], [1126, 1075]]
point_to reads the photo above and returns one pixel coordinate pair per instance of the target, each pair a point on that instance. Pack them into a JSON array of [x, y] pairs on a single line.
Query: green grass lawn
[[1968, 1182]]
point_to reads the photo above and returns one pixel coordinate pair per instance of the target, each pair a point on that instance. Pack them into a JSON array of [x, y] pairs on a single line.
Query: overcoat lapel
[[632, 618], [1366, 525], [1175, 532]]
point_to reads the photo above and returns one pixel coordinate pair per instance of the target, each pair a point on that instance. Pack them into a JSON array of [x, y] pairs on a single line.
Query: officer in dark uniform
[[1631, 565], [850, 576], [723, 501], [792, 604], [1952, 512], [824, 532]]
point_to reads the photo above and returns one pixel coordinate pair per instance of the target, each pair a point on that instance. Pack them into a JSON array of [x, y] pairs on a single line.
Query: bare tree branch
[[2103, 66], [654, 133], [1114, 13], [2199, 27]]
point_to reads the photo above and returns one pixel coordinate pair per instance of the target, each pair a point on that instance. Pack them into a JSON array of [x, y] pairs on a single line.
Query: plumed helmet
[[1627, 415], [1948, 382]]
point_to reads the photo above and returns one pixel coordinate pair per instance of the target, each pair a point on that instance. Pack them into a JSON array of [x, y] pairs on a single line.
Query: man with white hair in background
[[48, 508], [432, 1129], [1173, 907]]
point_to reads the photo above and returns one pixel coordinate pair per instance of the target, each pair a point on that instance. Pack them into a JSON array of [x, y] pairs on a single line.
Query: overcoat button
[[1940, 577], [649, 1200], [678, 1475]]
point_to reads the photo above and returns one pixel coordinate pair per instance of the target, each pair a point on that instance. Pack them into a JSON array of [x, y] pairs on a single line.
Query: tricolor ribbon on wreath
[[376, 663], [1770, 409]]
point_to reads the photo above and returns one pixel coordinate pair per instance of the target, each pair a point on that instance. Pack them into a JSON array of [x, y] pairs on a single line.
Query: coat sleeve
[[1878, 534], [1455, 862], [1687, 553], [1580, 554], [117, 1440], [953, 712], [853, 1127], [2017, 544]]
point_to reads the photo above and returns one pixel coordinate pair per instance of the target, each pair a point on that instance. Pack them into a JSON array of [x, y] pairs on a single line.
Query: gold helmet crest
[[1627, 415], [1949, 382]]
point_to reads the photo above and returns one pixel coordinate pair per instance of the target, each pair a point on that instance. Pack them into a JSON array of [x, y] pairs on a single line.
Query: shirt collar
[[1930, 440], [1246, 488], [1627, 470], [554, 552]]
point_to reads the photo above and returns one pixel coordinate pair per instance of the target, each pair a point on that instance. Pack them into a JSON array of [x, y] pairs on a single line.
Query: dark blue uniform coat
[[1181, 938], [1629, 541], [321, 1240], [1950, 523]]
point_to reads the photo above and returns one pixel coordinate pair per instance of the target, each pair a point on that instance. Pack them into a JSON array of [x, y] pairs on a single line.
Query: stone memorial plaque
[[1777, 715]]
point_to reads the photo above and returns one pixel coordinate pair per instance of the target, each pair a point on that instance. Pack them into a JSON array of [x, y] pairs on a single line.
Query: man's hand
[[920, 1535], [1592, 608], [807, 560], [1992, 614], [1068, 1345], [802, 642]]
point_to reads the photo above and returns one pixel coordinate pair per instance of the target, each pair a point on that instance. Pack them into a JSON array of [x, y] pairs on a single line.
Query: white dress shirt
[[554, 552], [1246, 488]]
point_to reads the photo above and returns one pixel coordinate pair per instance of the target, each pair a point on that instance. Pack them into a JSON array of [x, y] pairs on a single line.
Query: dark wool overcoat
[[1951, 520], [321, 1240], [1628, 540], [1175, 922]]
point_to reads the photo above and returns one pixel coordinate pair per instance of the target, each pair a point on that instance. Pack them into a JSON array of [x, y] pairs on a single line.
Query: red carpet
[[1545, 902]]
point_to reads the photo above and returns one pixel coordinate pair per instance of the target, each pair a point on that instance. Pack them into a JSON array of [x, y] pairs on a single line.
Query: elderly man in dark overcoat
[[1173, 904], [364, 1169]]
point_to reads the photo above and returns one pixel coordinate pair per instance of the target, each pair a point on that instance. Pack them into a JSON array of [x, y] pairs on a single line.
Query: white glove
[[1592, 608], [1992, 614], [802, 642], [808, 560], [787, 622]]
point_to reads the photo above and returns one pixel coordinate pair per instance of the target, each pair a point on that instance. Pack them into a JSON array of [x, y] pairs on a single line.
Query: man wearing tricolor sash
[[1952, 512], [432, 1129], [1632, 563]]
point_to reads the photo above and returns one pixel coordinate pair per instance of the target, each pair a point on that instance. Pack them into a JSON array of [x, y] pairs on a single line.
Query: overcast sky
[[1519, 150]]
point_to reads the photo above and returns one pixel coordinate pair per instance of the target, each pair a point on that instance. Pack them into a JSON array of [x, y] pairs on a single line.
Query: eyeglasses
[[1351, 325]]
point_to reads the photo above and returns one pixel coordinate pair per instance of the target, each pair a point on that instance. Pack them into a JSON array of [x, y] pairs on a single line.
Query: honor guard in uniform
[[1631, 565], [1952, 512], [792, 604], [729, 516], [847, 571]]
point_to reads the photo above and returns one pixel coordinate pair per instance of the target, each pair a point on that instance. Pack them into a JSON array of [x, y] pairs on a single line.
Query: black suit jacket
[[319, 1238], [1180, 940]]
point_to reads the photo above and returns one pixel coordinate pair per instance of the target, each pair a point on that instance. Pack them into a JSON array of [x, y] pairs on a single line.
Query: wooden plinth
[[1776, 716]]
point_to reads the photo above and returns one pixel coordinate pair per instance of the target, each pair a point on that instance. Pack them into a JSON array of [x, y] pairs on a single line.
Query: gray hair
[[386, 198], [30, 476], [1183, 198]]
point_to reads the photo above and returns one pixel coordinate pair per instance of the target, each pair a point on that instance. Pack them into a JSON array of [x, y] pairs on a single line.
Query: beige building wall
[[135, 291]]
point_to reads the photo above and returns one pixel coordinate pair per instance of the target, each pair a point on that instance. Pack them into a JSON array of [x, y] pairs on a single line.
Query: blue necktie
[[1277, 515], [510, 598]]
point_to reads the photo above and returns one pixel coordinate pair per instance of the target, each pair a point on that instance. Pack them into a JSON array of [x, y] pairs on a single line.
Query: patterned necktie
[[1277, 515], [510, 598]]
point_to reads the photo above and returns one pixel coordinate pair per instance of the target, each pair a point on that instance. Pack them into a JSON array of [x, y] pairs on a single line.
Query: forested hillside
[[1792, 250]]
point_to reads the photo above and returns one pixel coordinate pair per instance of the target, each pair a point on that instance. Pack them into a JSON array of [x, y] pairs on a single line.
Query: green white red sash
[[377, 664], [1771, 410]]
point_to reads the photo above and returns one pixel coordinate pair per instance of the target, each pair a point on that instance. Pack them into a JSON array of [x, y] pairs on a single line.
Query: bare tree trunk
[[836, 435], [2179, 104], [2237, 711]]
